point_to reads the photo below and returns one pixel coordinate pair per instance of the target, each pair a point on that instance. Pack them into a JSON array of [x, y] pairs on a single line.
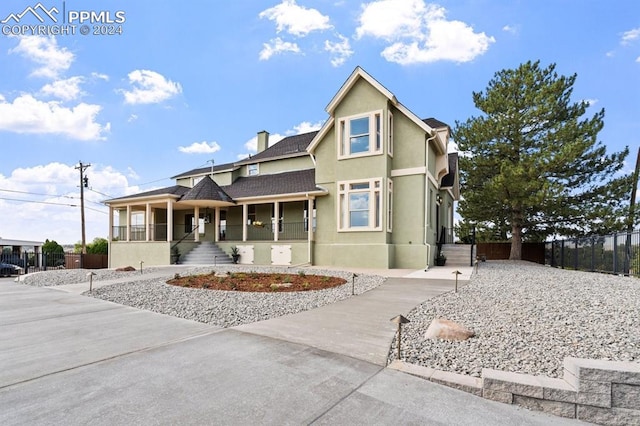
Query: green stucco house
[[374, 187]]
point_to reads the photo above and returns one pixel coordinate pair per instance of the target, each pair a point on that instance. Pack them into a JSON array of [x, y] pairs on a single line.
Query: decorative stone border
[[602, 392]]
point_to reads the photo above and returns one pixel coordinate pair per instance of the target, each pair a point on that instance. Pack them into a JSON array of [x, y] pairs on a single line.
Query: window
[[252, 169], [305, 215], [389, 205], [360, 135], [251, 214], [360, 205]]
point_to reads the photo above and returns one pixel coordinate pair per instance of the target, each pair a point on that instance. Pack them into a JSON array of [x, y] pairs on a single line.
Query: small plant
[[306, 285], [233, 286], [326, 279], [235, 254], [302, 274], [274, 287], [257, 286], [176, 276], [286, 279], [206, 285]]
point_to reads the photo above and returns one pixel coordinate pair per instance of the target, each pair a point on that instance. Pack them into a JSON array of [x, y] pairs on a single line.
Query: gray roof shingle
[[435, 123], [296, 182], [206, 189], [289, 146], [170, 190], [202, 170]]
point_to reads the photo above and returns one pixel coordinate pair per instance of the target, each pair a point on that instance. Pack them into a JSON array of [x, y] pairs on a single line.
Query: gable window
[[252, 169], [360, 205], [196, 180], [360, 135]]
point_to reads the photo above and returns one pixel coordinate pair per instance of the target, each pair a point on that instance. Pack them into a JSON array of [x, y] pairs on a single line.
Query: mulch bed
[[258, 282]]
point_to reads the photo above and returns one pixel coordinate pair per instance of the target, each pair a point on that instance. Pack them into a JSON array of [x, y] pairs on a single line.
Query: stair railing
[[185, 236]]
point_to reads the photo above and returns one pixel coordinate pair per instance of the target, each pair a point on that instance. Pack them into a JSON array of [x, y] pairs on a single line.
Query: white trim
[[296, 196], [371, 191], [320, 135], [389, 134], [121, 202], [409, 171], [249, 169], [432, 180], [373, 129], [389, 205], [351, 81]]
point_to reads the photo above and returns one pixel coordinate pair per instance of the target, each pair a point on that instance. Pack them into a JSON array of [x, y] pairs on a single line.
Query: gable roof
[[296, 182], [359, 73], [206, 190], [291, 146]]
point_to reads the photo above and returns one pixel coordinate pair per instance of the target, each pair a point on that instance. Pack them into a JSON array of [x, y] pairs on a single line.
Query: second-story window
[[252, 169], [360, 135]]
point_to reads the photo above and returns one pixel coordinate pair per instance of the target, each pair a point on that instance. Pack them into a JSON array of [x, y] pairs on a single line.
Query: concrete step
[[206, 253]]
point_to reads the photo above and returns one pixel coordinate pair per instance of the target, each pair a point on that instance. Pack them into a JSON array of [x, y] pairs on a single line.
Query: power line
[[50, 203], [49, 195]]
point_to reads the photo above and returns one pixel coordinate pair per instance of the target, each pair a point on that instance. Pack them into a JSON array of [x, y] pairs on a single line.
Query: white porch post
[[245, 217], [196, 218], [170, 220], [310, 228], [110, 223], [276, 220], [216, 227], [128, 223], [147, 221]]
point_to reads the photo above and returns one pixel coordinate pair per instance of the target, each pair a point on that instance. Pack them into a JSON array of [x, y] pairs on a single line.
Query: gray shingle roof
[[170, 190], [206, 189], [289, 146], [449, 179], [201, 170], [296, 182], [435, 123]]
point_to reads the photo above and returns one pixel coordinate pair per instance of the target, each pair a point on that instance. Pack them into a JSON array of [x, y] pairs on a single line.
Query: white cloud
[[58, 183], [132, 118], [510, 29], [629, 36], [341, 50], [420, 33], [276, 46], [591, 102], [150, 87], [305, 127], [99, 76], [44, 51], [29, 115], [252, 144], [296, 20], [67, 89], [200, 148]]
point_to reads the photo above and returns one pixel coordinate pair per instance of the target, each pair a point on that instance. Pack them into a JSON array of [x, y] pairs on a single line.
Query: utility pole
[[84, 183]]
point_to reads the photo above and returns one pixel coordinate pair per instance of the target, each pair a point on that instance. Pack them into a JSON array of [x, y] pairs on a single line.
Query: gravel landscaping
[[56, 277], [216, 307], [527, 319]]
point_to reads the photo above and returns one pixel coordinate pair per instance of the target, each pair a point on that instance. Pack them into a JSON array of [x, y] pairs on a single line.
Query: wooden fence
[[533, 252]]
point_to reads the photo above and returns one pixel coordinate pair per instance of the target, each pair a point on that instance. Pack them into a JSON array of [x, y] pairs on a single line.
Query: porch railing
[[264, 232], [158, 232]]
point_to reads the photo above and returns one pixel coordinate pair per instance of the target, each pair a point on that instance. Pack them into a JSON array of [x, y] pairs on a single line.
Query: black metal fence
[[615, 254], [38, 261]]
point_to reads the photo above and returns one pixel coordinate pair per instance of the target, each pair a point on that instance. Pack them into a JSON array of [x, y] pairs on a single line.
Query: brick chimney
[[263, 140]]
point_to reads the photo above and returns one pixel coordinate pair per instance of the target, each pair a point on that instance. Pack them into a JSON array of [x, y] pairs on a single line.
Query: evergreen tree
[[533, 165]]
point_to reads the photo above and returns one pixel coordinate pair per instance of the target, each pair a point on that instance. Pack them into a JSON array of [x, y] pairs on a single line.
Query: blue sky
[[182, 85]]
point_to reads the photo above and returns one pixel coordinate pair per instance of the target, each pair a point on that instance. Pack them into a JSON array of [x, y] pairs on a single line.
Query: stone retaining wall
[[602, 392]]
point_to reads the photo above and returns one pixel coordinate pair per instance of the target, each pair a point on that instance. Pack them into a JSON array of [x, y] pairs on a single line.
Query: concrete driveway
[[72, 360]]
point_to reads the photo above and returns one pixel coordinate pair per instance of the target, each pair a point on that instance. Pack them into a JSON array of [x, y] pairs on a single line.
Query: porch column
[[170, 220], [110, 223], [245, 217], [128, 223], [147, 221], [216, 225], [276, 220], [196, 218], [309, 227]]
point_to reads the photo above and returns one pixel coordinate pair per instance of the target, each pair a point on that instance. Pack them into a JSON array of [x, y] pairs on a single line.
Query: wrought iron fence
[[615, 254], [264, 232]]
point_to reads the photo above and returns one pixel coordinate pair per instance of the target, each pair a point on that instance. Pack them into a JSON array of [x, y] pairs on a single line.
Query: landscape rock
[[441, 328]]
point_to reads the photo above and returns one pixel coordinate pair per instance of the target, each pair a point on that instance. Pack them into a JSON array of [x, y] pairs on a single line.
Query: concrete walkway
[[69, 359]]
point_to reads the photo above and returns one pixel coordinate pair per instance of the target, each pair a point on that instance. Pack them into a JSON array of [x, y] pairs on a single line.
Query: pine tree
[[532, 163]]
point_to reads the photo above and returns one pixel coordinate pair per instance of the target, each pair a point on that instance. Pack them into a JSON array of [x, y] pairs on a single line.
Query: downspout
[[426, 197]]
